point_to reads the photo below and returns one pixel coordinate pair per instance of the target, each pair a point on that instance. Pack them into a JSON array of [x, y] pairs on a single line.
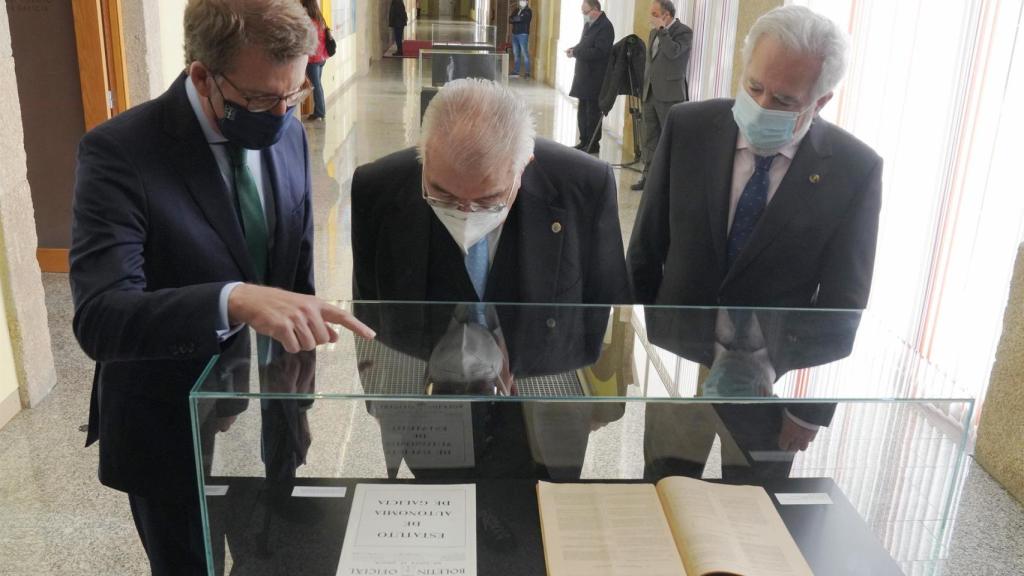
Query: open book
[[681, 526]]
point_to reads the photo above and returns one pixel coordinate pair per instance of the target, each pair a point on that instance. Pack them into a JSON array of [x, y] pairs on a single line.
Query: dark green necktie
[[254, 220]]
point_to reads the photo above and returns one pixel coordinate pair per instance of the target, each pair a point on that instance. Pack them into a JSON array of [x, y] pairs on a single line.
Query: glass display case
[[857, 442], [438, 67], [463, 35]]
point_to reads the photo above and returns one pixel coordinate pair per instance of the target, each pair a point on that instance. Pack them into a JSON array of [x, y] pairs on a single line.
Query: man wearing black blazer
[[759, 202], [193, 218], [591, 54], [514, 220]]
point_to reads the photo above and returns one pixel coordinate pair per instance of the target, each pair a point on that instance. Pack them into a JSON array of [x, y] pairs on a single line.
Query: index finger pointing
[[336, 315]]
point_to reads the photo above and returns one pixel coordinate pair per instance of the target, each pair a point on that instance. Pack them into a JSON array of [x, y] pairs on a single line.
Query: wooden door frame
[[102, 69]]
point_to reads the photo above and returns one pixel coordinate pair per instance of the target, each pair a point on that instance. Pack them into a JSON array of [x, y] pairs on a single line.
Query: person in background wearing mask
[[591, 56], [192, 218], [470, 216], [668, 58], [315, 67], [520, 20], [758, 201], [398, 19]]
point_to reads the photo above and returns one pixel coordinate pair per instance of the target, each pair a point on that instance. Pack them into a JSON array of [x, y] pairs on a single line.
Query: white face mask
[[468, 228], [522, 4]]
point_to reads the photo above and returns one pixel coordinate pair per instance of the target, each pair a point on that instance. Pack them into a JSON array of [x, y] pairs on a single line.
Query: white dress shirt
[[743, 169]]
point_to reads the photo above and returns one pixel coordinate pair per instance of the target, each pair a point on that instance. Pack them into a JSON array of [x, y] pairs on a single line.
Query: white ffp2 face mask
[[468, 228]]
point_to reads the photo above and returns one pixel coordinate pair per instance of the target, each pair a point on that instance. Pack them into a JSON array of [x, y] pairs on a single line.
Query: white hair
[[807, 32], [480, 124]]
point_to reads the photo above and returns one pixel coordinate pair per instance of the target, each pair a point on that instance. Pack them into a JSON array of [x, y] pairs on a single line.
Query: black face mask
[[252, 130]]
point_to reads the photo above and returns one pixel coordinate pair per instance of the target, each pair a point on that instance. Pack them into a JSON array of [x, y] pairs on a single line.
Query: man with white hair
[[482, 210], [758, 202]]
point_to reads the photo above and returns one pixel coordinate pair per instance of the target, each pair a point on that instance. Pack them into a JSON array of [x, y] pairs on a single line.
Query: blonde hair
[[480, 122], [215, 31]]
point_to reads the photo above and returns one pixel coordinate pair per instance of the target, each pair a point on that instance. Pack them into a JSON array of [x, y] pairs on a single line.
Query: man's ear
[[201, 77], [822, 101]]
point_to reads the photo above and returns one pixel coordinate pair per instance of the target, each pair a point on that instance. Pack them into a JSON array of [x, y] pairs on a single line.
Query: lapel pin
[[815, 178], [556, 227]]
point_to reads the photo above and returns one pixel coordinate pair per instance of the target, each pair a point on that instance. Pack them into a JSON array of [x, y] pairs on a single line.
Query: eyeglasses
[[452, 203], [269, 102]]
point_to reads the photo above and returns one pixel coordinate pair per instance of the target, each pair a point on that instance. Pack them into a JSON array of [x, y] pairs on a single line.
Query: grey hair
[[807, 32], [595, 4], [481, 123], [667, 6]]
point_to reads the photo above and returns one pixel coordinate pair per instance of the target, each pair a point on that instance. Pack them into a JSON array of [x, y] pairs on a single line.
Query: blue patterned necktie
[[750, 207], [477, 263]]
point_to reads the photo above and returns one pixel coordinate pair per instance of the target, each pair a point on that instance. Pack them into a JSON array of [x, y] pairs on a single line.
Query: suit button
[[556, 227], [551, 323]]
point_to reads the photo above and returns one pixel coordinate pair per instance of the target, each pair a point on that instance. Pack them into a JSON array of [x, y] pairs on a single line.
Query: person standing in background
[[315, 66], [664, 76], [398, 19], [520, 20], [591, 56]]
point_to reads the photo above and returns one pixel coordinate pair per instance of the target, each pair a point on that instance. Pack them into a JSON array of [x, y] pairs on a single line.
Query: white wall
[[8, 375], [172, 40]]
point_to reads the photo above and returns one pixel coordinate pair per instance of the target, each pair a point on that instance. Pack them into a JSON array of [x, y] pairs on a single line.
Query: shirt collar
[[212, 136], [789, 151]]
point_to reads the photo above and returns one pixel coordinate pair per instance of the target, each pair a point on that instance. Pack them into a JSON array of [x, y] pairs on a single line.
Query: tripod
[[633, 101]]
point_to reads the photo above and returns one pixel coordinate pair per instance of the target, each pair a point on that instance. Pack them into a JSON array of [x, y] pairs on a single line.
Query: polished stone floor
[[55, 518]]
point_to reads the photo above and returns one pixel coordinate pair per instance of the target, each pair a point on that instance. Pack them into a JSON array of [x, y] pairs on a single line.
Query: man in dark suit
[[398, 19], [665, 85], [192, 219], [759, 202], [487, 212], [591, 56]]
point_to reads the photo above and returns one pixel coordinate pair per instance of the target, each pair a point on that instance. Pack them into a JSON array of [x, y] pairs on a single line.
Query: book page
[[724, 528], [410, 529], [605, 530]]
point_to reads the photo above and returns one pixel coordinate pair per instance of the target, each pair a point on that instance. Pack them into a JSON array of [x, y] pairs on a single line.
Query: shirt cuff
[[802, 423], [224, 328]]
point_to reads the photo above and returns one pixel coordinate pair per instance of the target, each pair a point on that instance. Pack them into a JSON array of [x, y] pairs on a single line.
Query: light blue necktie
[[477, 263], [751, 205]]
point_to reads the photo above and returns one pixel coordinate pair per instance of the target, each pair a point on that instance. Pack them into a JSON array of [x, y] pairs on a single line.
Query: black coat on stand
[[625, 74]]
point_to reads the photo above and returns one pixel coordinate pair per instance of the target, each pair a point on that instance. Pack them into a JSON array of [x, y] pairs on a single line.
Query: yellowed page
[[605, 530], [724, 528]]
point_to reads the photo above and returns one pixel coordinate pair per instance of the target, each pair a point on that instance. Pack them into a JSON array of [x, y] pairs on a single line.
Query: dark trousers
[[655, 112], [399, 33], [588, 117], [171, 531]]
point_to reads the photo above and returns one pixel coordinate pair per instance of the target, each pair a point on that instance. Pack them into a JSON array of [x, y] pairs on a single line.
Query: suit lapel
[[191, 156], [284, 234], [718, 164], [542, 227], [408, 254], [794, 192]]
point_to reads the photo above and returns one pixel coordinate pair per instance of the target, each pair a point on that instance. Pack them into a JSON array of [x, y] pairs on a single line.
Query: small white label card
[[215, 490], [319, 492], [802, 499]]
